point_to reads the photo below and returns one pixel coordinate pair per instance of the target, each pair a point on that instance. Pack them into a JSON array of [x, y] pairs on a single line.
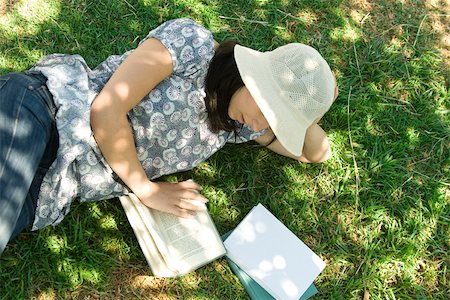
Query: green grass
[[377, 212]]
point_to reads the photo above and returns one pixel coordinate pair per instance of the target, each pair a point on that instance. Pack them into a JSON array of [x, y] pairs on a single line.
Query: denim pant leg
[[27, 124]]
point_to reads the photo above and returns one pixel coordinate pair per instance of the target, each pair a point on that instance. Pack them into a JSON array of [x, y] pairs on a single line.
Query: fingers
[[181, 199], [192, 195], [187, 208], [191, 200], [193, 205], [190, 184], [190, 207], [191, 191]]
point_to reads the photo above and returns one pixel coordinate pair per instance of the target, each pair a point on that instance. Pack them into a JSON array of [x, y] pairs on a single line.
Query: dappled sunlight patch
[[396, 92], [261, 2], [423, 227], [77, 272], [301, 193], [339, 268], [27, 15], [48, 294], [192, 8], [219, 266], [95, 210], [191, 280], [90, 275], [136, 26], [358, 16], [393, 86], [395, 45], [346, 220], [219, 25], [413, 137], [108, 222], [361, 4], [398, 193], [439, 26], [284, 33], [368, 234], [369, 229], [408, 268], [390, 271], [378, 165], [374, 87], [339, 144], [444, 193], [32, 55], [35, 10], [372, 127], [260, 12], [207, 169], [117, 247], [432, 4], [134, 281], [145, 282], [56, 243], [216, 196], [293, 174], [348, 33], [307, 17]]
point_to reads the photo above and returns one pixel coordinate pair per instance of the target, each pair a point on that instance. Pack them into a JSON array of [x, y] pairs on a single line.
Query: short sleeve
[[190, 45], [245, 134]]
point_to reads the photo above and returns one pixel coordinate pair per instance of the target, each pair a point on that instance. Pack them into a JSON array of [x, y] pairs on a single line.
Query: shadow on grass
[[370, 223]]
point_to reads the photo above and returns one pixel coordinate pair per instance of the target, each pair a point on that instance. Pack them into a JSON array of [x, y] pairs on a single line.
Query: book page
[[190, 242], [148, 246], [150, 224]]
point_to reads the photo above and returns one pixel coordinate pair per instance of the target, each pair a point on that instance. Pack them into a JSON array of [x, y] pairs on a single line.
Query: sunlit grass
[[377, 212], [348, 33], [28, 14]]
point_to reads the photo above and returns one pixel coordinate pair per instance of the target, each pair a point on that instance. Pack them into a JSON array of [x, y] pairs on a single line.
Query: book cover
[[253, 289], [272, 255]]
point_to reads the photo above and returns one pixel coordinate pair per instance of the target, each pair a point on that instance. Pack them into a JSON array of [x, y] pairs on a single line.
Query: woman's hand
[[181, 199]]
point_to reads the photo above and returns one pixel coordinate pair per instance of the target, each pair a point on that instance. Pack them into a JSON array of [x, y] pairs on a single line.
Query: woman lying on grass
[[68, 132]]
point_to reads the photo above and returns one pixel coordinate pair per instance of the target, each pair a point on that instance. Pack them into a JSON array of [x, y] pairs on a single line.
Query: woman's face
[[244, 109]]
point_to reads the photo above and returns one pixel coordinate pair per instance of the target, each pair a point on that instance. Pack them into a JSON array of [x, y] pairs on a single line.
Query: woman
[[69, 132]]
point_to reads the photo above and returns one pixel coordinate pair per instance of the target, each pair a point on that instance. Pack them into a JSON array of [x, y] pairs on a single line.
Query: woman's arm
[[141, 71], [316, 147]]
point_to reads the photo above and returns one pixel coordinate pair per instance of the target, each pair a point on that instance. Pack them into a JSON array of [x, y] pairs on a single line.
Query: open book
[[173, 246], [273, 256]]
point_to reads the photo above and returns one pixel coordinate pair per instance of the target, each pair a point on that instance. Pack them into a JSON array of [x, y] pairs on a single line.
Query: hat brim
[[288, 125]]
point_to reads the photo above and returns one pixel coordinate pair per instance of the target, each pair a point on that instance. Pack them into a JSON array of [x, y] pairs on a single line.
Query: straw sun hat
[[292, 85]]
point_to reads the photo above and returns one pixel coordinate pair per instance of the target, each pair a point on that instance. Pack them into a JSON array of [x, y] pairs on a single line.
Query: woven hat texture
[[292, 85]]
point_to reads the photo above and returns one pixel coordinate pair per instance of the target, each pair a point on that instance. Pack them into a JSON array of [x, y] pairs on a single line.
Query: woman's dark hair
[[222, 81]]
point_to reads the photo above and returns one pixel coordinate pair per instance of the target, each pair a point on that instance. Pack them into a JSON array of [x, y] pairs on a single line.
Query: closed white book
[[272, 255]]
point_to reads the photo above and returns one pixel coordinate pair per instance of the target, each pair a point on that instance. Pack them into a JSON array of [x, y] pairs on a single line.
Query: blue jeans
[[28, 145]]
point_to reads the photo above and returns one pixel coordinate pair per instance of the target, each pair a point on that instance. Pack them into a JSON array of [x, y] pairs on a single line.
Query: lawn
[[378, 212]]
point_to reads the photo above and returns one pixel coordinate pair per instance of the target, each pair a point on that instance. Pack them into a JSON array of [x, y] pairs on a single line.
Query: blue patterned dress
[[170, 125]]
